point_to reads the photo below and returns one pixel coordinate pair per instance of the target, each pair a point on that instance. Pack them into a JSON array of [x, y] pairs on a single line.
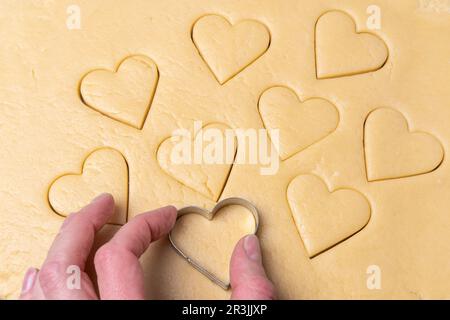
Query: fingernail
[[251, 247], [29, 280]]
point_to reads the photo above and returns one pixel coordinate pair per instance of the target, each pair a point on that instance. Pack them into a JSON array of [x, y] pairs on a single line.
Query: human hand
[[119, 272]]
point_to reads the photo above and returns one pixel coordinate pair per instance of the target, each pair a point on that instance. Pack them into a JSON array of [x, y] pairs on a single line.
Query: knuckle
[[104, 255], [50, 276], [261, 287], [79, 218], [71, 220]]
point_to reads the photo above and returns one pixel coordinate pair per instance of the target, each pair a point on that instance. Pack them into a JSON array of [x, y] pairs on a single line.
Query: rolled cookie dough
[[49, 124]]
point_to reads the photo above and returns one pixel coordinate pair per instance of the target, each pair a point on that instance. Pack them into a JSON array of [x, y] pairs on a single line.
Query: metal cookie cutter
[[210, 215]]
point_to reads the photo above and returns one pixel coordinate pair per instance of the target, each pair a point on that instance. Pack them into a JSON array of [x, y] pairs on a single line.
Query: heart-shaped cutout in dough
[[228, 49], [325, 218], [341, 51], [301, 124], [104, 171], [393, 151], [206, 239], [125, 95], [209, 173]]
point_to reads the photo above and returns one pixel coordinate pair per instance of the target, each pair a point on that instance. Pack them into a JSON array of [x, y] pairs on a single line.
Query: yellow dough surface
[[192, 234], [208, 180], [91, 94], [315, 209], [104, 170]]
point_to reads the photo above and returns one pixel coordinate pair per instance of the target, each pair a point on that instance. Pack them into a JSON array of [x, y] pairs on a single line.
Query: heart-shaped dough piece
[[104, 171], [341, 51], [325, 218], [208, 174], [125, 95], [392, 151], [228, 49], [206, 239], [301, 124]]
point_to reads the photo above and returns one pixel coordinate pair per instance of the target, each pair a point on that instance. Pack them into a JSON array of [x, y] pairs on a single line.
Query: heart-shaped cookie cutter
[[210, 216]]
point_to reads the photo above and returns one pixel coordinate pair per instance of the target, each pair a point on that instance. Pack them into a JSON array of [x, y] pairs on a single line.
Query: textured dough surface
[[104, 171], [124, 95], [46, 130], [301, 123], [325, 218], [219, 44], [336, 37], [392, 151], [215, 238], [207, 179]]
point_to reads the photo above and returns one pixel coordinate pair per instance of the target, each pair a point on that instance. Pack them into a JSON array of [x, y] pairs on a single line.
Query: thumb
[[248, 278]]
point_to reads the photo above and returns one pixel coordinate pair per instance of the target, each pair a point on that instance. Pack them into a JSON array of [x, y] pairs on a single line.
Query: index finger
[[137, 234], [73, 244], [119, 272]]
